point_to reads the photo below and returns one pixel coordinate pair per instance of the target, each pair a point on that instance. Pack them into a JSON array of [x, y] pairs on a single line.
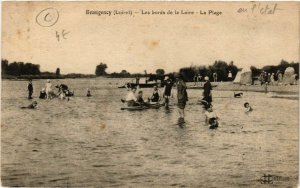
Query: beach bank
[[229, 86]]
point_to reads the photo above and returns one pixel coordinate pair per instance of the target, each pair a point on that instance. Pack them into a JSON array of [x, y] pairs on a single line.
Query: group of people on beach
[[272, 78], [198, 78]]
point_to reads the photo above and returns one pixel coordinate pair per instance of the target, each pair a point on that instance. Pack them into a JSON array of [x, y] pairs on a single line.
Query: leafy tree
[[57, 73], [4, 66], [160, 72], [100, 69]]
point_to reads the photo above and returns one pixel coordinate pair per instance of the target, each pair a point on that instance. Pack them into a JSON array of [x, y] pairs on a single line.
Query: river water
[[90, 142]]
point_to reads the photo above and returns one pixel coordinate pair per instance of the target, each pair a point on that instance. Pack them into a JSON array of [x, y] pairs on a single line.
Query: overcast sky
[[147, 42]]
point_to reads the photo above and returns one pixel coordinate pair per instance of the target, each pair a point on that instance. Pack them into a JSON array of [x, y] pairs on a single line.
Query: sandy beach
[[229, 86]]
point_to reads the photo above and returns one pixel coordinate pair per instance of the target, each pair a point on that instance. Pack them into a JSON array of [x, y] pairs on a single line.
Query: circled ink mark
[[47, 17]]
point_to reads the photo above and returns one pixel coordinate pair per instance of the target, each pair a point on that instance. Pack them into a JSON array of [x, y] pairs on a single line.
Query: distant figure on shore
[[272, 79], [262, 78], [200, 79], [195, 80], [279, 77], [211, 117], [43, 94], [88, 94], [30, 89], [167, 91], [215, 76], [237, 95], [155, 95], [31, 106], [248, 107], [49, 91], [137, 80], [207, 95], [182, 97], [229, 76]]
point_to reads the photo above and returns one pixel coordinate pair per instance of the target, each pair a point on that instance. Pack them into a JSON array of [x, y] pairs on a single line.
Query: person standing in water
[[182, 97], [207, 95], [48, 89], [167, 91], [30, 89]]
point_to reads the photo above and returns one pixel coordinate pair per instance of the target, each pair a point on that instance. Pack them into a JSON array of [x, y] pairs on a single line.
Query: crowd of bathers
[[63, 92], [135, 98]]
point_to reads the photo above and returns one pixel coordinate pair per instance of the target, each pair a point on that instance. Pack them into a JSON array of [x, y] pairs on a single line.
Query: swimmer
[[248, 107], [238, 95], [31, 106], [88, 93], [211, 117]]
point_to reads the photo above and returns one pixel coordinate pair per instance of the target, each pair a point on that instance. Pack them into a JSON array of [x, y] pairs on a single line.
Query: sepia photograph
[[150, 94]]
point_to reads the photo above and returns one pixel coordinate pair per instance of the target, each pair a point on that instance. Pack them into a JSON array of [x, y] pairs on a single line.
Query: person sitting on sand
[[43, 94], [248, 107], [31, 106], [88, 93], [155, 96], [211, 117]]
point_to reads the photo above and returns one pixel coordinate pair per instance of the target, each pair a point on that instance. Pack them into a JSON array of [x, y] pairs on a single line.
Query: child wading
[[211, 117]]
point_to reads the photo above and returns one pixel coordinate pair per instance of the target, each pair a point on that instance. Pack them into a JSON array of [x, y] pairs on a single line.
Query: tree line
[[221, 68], [19, 68]]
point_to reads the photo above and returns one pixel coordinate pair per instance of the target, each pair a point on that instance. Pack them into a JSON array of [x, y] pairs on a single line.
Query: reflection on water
[[91, 142]]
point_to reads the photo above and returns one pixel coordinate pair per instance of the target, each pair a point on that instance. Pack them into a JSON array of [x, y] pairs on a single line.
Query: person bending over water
[[43, 94], [248, 107], [31, 106], [211, 117]]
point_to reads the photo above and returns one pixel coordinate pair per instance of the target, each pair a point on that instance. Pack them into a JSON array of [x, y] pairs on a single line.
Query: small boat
[[199, 87], [134, 108], [143, 107], [148, 85]]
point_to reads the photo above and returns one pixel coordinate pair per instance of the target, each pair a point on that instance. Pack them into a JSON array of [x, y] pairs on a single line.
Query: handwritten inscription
[[47, 17], [262, 9], [61, 35]]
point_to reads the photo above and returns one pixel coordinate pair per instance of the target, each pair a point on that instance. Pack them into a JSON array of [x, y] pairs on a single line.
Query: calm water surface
[[90, 142]]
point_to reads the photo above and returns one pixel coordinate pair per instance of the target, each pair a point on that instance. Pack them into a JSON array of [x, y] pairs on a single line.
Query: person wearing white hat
[[207, 95]]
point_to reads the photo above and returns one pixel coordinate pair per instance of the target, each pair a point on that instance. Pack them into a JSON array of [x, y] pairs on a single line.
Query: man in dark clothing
[[207, 96], [167, 91], [30, 89], [182, 97]]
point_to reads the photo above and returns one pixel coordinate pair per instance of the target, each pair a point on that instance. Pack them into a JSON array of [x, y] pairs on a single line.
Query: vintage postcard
[[149, 94]]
